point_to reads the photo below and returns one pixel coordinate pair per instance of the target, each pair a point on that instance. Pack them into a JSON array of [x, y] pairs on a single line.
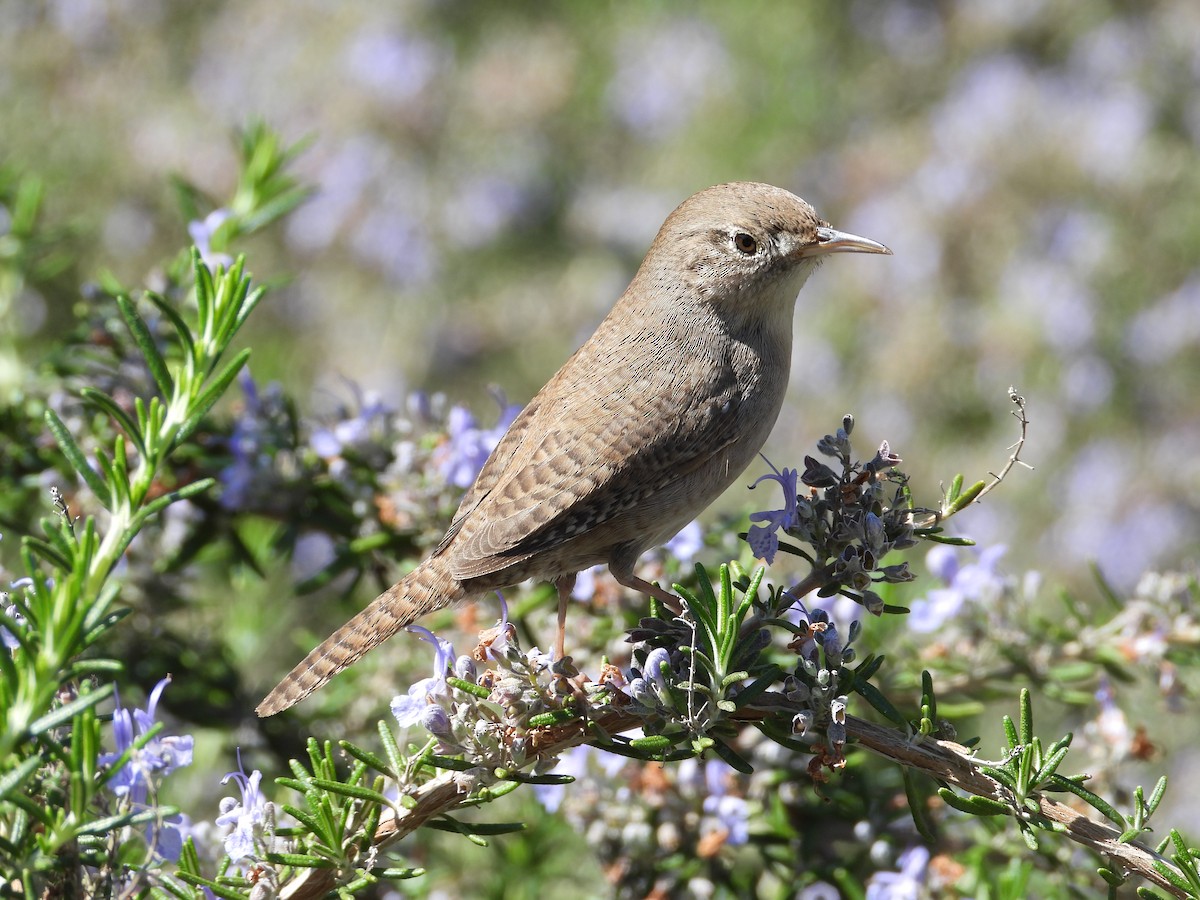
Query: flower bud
[[464, 668], [436, 722]]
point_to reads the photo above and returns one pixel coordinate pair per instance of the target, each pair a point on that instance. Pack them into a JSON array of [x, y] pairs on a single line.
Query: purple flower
[[831, 641], [972, 583], [489, 203], [685, 545], [397, 242], [171, 832], [839, 608], [905, 884], [158, 758], [731, 813], [574, 763], [246, 820], [1164, 329], [468, 447], [664, 76], [817, 621], [656, 660], [144, 770], [820, 890], [464, 668], [202, 233], [7, 638], [409, 708], [650, 685], [762, 538], [395, 65], [249, 474], [329, 442], [435, 720], [585, 583]]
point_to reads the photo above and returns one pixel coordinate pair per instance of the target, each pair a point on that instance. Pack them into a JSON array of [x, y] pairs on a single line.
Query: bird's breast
[[760, 362], [738, 402]]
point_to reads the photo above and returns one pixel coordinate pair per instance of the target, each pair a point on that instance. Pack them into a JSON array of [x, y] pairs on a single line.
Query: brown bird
[[639, 431]]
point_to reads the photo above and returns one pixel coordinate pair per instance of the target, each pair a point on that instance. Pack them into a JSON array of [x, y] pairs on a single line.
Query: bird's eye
[[745, 243]]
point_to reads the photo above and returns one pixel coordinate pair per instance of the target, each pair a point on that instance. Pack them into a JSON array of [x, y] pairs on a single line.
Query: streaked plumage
[[644, 426]]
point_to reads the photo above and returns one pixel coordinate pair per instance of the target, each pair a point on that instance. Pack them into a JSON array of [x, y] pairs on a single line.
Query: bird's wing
[[493, 470], [579, 456]]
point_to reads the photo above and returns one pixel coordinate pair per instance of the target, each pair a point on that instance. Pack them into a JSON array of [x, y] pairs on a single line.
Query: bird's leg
[[631, 581], [564, 584]]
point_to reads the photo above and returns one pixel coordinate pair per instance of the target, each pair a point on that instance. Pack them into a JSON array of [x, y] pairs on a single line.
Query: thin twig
[[944, 761], [814, 580], [952, 763], [1014, 458]]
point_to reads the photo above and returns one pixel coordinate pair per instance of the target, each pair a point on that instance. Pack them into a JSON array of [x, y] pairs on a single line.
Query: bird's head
[[745, 249]]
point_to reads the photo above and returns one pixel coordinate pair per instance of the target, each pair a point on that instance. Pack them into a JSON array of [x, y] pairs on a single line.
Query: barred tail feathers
[[427, 588]]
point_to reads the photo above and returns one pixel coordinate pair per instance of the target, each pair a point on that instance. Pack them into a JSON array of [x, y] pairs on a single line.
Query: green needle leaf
[[354, 791], [169, 313], [158, 504], [211, 395], [1058, 782], [68, 711], [976, 806], [966, 498], [122, 418], [13, 780], [75, 457], [145, 343], [47, 552], [732, 757], [1026, 716]]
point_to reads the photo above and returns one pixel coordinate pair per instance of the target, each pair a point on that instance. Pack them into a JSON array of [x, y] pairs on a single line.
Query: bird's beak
[[830, 240]]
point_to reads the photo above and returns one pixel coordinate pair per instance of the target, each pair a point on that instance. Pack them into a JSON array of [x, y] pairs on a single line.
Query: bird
[[642, 428]]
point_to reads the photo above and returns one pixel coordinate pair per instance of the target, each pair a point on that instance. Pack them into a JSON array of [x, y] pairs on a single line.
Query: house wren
[[639, 431]]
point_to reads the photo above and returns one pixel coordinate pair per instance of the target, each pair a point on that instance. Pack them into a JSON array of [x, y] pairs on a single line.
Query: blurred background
[[488, 178]]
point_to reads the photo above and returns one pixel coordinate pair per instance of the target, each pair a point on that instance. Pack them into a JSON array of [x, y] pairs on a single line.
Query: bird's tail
[[427, 588]]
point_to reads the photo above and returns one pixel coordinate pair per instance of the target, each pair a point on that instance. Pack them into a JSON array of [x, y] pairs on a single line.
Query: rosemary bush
[[721, 752]]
